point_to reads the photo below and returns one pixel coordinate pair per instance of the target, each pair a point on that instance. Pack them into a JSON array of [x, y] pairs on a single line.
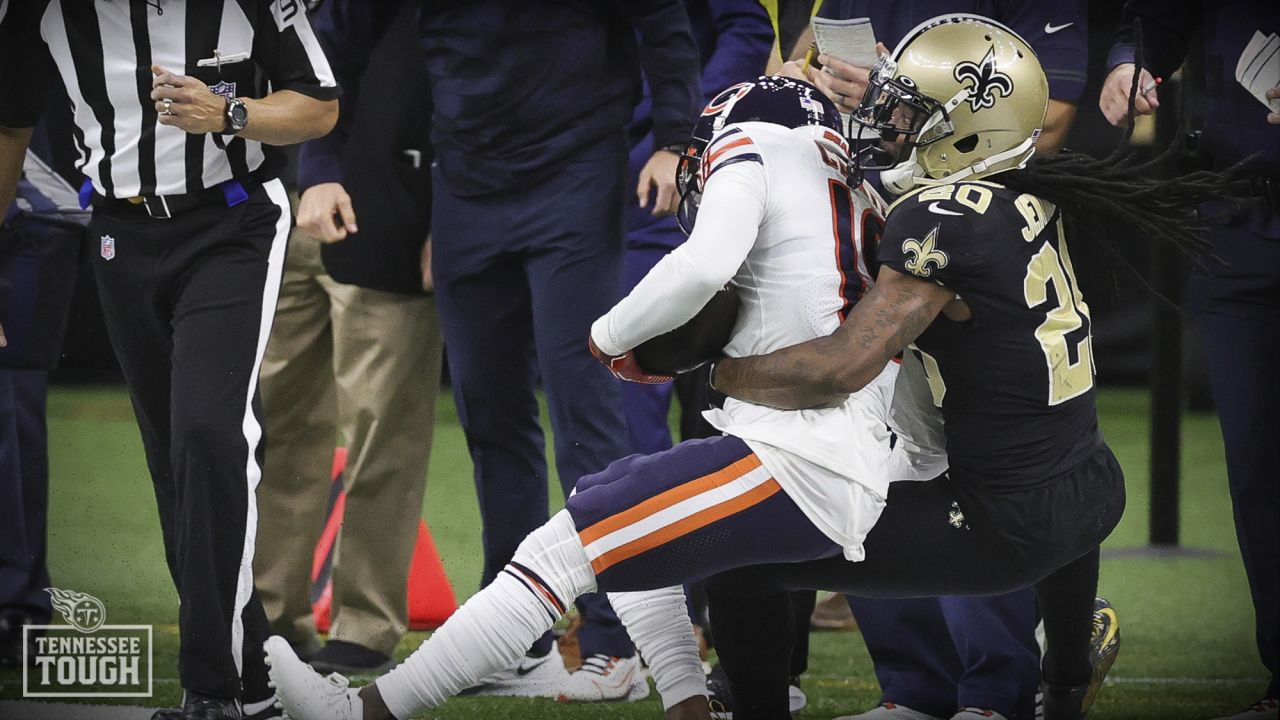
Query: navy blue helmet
[[772, 99]]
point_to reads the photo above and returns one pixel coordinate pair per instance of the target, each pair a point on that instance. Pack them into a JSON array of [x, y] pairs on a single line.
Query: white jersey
[[777, 219]]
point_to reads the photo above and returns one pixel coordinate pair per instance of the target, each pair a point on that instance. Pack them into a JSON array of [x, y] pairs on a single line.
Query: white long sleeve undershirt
[[729, 218]]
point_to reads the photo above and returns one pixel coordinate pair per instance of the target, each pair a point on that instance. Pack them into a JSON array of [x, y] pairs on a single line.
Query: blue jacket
[[1057, 31], [380, 151], [734, 40], [521, 86], [1235, 123]]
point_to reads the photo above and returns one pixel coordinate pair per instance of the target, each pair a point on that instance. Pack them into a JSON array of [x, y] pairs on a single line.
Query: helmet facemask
[[689, 183], [893, 109]]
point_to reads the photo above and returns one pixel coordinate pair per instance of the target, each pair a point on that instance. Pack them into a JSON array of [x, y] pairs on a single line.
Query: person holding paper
[[1238, 301], [1058, 32]]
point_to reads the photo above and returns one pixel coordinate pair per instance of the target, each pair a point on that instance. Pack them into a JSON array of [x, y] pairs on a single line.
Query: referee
[[176, 104]]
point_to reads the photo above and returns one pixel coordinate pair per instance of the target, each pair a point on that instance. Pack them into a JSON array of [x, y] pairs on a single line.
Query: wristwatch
[[237, 115]]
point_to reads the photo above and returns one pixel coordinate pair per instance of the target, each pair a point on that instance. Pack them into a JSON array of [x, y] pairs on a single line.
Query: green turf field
[[1187, 623]]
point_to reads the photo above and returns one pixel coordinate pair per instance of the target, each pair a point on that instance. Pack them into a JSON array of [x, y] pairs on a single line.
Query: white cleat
[[1264, 709], [603, 678], [889, 711], [796, 698], [976, 713], [542, 677], [303, 693]]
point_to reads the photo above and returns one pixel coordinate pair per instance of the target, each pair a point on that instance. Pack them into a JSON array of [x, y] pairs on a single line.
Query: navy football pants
[[1239, 311], [937, 654], [520, 276], [24, 495]]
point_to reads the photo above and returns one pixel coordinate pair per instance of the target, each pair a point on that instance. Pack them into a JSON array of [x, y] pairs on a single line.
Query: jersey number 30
[[1069, 359]]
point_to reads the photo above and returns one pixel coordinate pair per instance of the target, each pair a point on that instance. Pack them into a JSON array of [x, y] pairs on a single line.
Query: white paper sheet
[[853, 40], [1259, 68]]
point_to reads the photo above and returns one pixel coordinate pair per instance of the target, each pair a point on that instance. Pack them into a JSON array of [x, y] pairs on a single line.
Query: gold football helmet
[[965, 93]]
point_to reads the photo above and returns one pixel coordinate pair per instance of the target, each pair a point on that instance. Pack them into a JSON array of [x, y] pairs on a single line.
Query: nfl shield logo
[[108, 247], [225, 89]]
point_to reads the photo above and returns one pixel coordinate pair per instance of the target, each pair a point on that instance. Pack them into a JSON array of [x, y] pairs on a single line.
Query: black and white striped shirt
[[103, 51]]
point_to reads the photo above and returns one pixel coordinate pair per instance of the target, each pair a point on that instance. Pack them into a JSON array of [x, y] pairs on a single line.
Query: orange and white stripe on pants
[[677, 512]]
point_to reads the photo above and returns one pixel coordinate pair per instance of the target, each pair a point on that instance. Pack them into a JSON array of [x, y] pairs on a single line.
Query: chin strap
[[1026, 149], [902, 177]]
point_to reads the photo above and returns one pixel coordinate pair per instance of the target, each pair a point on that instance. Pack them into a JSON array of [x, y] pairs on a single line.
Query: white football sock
[[658, 622], [493, 629]]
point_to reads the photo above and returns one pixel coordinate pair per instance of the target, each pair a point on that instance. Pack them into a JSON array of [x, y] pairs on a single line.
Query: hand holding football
[[698, 341]]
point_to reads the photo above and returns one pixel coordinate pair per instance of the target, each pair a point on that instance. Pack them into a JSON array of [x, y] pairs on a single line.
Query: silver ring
[[168, 106]]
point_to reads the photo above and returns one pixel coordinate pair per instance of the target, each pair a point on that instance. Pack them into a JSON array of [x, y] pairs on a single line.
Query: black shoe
[[11, 640], [199, 707], [720, 697], [271, 712], [1104, 645], [304, 649], [347, 658], [1065, 703]]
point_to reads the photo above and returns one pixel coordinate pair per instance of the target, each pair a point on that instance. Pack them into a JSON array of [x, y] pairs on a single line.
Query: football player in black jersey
[[976, 278]]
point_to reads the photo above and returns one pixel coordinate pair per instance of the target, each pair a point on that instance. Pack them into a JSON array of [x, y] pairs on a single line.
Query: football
[[696, 342]]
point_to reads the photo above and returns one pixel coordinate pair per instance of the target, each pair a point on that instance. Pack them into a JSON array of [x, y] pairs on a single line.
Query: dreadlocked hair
[[1116, 199], [1119, 198]]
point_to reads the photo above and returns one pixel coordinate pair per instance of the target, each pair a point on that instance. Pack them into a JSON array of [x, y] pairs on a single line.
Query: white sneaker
[[1264, 709], [542, 677], [303, 693], [975, 713], [889, 711], [798, 699], [602, 678]]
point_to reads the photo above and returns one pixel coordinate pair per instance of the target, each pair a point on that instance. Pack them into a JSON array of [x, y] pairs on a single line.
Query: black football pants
[[923, 546], [188, 303]]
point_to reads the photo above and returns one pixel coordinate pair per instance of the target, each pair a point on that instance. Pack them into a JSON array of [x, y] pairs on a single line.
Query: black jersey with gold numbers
[[1015, 381]]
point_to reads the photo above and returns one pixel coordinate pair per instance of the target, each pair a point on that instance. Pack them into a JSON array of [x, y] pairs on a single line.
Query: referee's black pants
[[188, 303]]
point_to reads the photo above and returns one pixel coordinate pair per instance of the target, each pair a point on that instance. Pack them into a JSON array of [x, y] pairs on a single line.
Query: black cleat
[[1104, 645], [1064, 703], [201, 707], [1073, 703], [720, 697], [348, 658], [271, 712], [11, 644]]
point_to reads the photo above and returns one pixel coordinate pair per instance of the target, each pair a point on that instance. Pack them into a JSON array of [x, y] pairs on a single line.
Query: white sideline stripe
[[681, 510], [1183, 681], [1171, 681], [252, 429], [31, 710]]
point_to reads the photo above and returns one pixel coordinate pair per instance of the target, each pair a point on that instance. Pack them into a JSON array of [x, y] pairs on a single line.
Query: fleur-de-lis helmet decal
[[986, 80]]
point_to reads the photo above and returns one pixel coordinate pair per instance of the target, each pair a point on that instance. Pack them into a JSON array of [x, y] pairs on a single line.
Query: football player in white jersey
[[765, 181]]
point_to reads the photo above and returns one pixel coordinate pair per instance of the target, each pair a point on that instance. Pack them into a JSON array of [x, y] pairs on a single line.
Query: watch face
[[238, 114]]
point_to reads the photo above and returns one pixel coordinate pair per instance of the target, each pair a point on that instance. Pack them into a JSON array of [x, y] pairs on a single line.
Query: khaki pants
[[344, 363]]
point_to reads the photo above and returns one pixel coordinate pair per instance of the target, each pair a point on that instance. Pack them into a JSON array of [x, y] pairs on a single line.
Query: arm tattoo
[[826, 370]]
